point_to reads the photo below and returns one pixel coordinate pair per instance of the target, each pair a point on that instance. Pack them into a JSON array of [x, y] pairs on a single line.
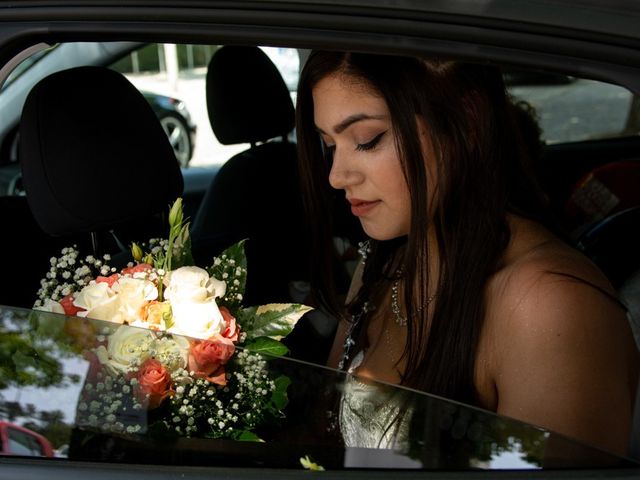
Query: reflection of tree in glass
[[446, 435], [27, 357], [32, 345]]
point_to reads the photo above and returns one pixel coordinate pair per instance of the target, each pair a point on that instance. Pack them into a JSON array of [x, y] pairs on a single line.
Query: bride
[[463, 289]]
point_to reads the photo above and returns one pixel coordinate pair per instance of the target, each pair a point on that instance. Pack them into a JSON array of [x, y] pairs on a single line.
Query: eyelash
[[329, 150], [363, 147]]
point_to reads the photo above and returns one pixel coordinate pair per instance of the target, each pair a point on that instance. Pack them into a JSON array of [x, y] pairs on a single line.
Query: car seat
[[255, 194], [95, 161]]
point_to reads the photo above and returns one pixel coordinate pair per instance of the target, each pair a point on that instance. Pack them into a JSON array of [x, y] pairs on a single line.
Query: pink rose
[[207, 358], [154, 383], [232, 330]]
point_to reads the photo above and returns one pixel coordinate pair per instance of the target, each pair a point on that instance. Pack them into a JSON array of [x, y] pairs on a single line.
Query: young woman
[[462, 291]]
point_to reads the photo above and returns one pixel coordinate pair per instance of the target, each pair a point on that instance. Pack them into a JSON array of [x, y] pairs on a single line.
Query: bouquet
[[170, 345]]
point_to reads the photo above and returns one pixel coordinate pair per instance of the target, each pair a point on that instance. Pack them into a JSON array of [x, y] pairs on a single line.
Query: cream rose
[[93, 295], [127, 347], [192, 293], [133, 294]]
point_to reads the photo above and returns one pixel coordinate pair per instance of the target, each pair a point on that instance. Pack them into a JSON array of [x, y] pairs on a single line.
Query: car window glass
[[20, 443], [180, 71], [571, 109], [83, 410]]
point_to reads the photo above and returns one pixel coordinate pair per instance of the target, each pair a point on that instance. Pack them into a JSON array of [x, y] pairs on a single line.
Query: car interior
[[592, 186]]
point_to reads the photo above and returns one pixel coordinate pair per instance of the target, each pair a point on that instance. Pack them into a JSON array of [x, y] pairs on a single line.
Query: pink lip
[[361, 207]]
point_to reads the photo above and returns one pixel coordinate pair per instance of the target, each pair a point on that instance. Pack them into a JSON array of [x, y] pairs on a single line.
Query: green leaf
[[279, 397], [275, 320], [267, 346], [246, 436]]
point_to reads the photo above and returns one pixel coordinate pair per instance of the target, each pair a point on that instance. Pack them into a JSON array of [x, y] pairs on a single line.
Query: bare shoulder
[[563, 353], [546, 283]]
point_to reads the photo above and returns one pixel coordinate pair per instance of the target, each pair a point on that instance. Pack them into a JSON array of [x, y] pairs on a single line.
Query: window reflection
[[44, 384]]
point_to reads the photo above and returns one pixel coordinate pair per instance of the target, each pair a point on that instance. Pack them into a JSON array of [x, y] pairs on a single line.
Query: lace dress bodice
[[368, 413]]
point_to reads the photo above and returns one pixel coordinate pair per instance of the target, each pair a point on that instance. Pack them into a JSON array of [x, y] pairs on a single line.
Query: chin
[[382, 234]]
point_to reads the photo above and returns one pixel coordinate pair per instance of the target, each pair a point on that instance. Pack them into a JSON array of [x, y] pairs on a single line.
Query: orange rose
[[232, 330], [207, 358], [154, 383]]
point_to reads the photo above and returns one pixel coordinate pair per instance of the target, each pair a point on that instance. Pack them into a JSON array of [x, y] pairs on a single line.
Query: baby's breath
[[69, 273], [216, 411]]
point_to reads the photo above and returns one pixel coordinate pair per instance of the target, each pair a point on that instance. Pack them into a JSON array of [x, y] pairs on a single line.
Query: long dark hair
[[483, 172]]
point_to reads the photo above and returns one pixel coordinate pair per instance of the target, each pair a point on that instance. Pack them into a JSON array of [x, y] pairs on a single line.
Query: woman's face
[[355, 126]]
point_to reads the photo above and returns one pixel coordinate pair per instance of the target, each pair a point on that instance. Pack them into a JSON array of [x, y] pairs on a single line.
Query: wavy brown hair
[[483, 172]]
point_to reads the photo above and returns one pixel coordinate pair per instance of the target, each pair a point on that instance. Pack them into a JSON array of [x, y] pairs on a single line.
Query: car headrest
[[247, 99], [93, 153]]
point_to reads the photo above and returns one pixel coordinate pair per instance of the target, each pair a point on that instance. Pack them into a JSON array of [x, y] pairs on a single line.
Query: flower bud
[[136, 252], [175, 214]]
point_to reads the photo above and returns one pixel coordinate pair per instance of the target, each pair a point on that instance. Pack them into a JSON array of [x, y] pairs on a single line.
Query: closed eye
[[363, 147]]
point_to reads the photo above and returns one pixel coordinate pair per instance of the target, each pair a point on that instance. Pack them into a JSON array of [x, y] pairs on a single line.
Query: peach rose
[[153, 314], [154, 383], [207, 358], [232, 331], [69, 307]]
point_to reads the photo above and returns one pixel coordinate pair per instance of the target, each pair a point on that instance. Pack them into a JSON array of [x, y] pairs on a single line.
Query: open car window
[[572, 109], [63, 380]]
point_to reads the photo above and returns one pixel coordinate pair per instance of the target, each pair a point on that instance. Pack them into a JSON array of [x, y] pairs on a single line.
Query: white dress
[[369, 413]]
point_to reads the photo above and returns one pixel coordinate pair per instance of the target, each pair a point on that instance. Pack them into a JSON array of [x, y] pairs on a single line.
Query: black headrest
[[247, 98], [93, 153]]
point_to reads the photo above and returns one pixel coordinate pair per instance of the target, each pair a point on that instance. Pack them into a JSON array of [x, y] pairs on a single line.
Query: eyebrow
[[350, 120]]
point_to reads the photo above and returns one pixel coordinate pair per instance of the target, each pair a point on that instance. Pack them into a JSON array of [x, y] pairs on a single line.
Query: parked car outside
[[172, 112], [177, 124], [589, 155], [20, 441]]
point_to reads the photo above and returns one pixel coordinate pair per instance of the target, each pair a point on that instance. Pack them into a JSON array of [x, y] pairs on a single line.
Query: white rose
[[50, 306], [98, 301], [192, 284], [172, 352], [132, 294], [197, 319], [192, 293], [127, 347]]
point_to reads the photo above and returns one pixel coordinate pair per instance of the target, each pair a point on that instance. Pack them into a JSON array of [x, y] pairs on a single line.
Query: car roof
[[588, 30]]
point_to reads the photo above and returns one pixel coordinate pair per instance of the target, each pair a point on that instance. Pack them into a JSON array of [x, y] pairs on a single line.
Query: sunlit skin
[[553, 351], [355, 125]]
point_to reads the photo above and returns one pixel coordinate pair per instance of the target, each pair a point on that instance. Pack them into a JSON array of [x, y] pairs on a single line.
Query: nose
[[344, 171]]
